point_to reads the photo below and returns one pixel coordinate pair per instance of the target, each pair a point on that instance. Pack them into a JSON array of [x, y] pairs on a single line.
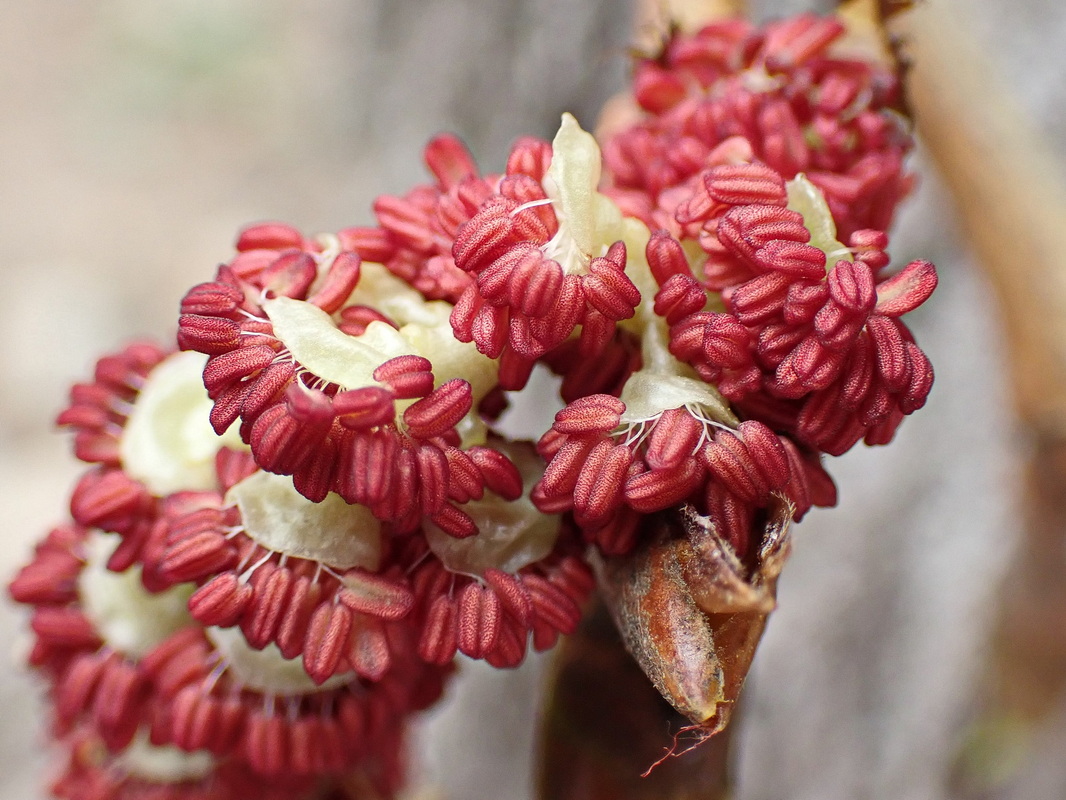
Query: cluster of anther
[[92, 658], [810, 334], [540, 268], [211, 700], [90, 772], [781, 94], [416, 232], [374, 430], [107, 497], [609, 469], [180, 706], [494, 615], [314, 589]]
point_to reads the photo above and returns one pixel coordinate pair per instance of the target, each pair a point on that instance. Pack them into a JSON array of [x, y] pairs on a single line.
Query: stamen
[[532, 204]]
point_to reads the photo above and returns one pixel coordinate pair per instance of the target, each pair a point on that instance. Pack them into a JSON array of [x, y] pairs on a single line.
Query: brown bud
[[691, 612]]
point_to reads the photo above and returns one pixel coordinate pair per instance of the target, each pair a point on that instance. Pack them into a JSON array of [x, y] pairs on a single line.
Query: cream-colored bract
[[163, 763], [267, 670], [589, 222], [334, 533], [168, 443], [648, 394], [512, 534], [808, 200], [129, 619], [318, 345]]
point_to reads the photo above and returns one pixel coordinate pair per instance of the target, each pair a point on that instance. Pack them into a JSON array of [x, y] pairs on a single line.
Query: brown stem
[[605, 724]]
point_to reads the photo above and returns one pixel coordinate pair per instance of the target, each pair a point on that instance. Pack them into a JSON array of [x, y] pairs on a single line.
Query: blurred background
[[138, 136]]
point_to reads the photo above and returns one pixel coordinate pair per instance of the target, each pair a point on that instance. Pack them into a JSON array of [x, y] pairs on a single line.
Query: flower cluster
[[294, 521]]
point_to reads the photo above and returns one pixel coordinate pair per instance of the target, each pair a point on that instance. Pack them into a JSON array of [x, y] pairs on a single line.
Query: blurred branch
[[1009, 191], [1007, 184], [605, 724]]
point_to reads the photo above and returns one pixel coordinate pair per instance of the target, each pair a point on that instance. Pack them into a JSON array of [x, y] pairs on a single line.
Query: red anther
[[432, 477], [364, 408], [530, 156], [601, 482], [404, 220], [562, 471], [552, 606], [269, 236], [760, 299], [478, 620], [119, 692], [50, 579], [803, 301], [372, 244], [368, 649], [906, 290], [596, 413], [266, 743], [233, 466], [784, 143], [732, 517], [192, 719], [106, 496], [448, 159], [75, 692], [304, 597], [767, 453], [680, 296], [512, 594], [439, 641], [728, 460], [267, 390], [64, 627], [407, 376], [376, 595], [509, 649], [212, 300], [657, 89], [486, 237], [807, 368], [356, 478], [339, 283], [318, 475], [465, 481], [220, 601], [666, 257], [211, 335], [659, 489], [290, 274], [921, 381], [795, 40], [439, 411], [608, 289], [795, 259], [746, 229], [851, 286], [327, 641], [227, 368], [498, 473], [674, 436], [454, 522], [890, 348], [270, 585], [196, 556], [745, 184]]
